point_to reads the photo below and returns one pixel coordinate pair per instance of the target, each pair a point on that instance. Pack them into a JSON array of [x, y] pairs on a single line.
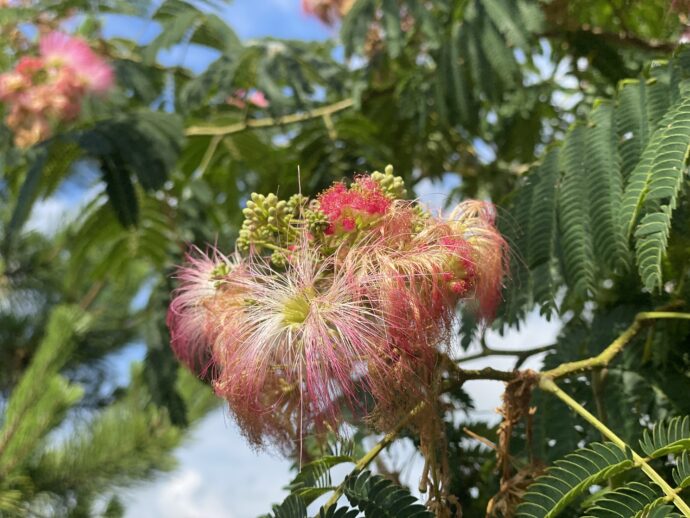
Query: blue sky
[[219, 475]]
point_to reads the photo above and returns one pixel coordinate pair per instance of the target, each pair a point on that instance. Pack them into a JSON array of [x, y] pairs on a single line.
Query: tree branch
[[608, 354], [269, 122], [521, 354]]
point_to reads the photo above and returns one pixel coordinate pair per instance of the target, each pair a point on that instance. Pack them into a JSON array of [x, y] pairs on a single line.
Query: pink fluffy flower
[[420, 269], [46, 89], [191, 315], [289, 347], [475, 221], [16, 81], [308, 330], [356, 207], [258, 99], [74, 54]]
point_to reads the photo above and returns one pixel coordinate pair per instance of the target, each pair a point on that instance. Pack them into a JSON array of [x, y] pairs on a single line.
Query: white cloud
[[219, 476], [186, 495]]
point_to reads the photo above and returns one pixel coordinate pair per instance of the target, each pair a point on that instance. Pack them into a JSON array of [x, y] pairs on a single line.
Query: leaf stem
[[367, 459], [268, 122], [548, 385], [208, 155], [605, 356]]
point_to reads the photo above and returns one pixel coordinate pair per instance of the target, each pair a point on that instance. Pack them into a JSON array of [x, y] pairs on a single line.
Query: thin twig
[[486, 442], [521, 354], [269, 122], [363, 462]]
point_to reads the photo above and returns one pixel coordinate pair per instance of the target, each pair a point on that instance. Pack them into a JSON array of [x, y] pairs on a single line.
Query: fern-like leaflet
[[569, 477]]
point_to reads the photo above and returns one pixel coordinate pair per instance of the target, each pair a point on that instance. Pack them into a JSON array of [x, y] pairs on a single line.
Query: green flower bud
[[317, 221], [392, 186], [278, 259]]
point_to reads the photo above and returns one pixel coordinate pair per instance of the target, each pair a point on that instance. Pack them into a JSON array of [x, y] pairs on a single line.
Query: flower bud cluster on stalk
[[47, 89], [333, 301]]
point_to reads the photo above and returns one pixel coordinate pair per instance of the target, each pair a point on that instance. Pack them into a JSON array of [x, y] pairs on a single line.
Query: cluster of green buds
[[275, 224], [393, 186], [316, 219], [267, 220], [272, 223]]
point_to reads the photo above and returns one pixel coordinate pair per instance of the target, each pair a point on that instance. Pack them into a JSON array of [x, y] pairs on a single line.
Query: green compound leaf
[[672, 436], [632, 500], [378, 497], [570, 477]]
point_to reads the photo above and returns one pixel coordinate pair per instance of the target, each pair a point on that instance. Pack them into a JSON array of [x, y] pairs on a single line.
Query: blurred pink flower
[[74, 54], [258, 99], [328, 11], [49, 88], [240, 98]]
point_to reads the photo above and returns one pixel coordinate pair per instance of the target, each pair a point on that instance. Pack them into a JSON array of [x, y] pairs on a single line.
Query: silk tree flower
[[310, 330], [475, 221], [355, 208], [69, 55], [47, 89], [365, 311], [418, 270], [192, 315], [240, 99]]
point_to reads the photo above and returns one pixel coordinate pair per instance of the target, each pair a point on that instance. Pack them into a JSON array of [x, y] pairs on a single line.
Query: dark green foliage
[[292, 507], [314, 479], [378, 497], [662, 511], [27, 195], [628, 500], [569, 477], [574, 217], [667, 437], [652, 232], [181, 21], [681, 473], [608, 209], [369, 495], [605, 187], [145, 145]]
